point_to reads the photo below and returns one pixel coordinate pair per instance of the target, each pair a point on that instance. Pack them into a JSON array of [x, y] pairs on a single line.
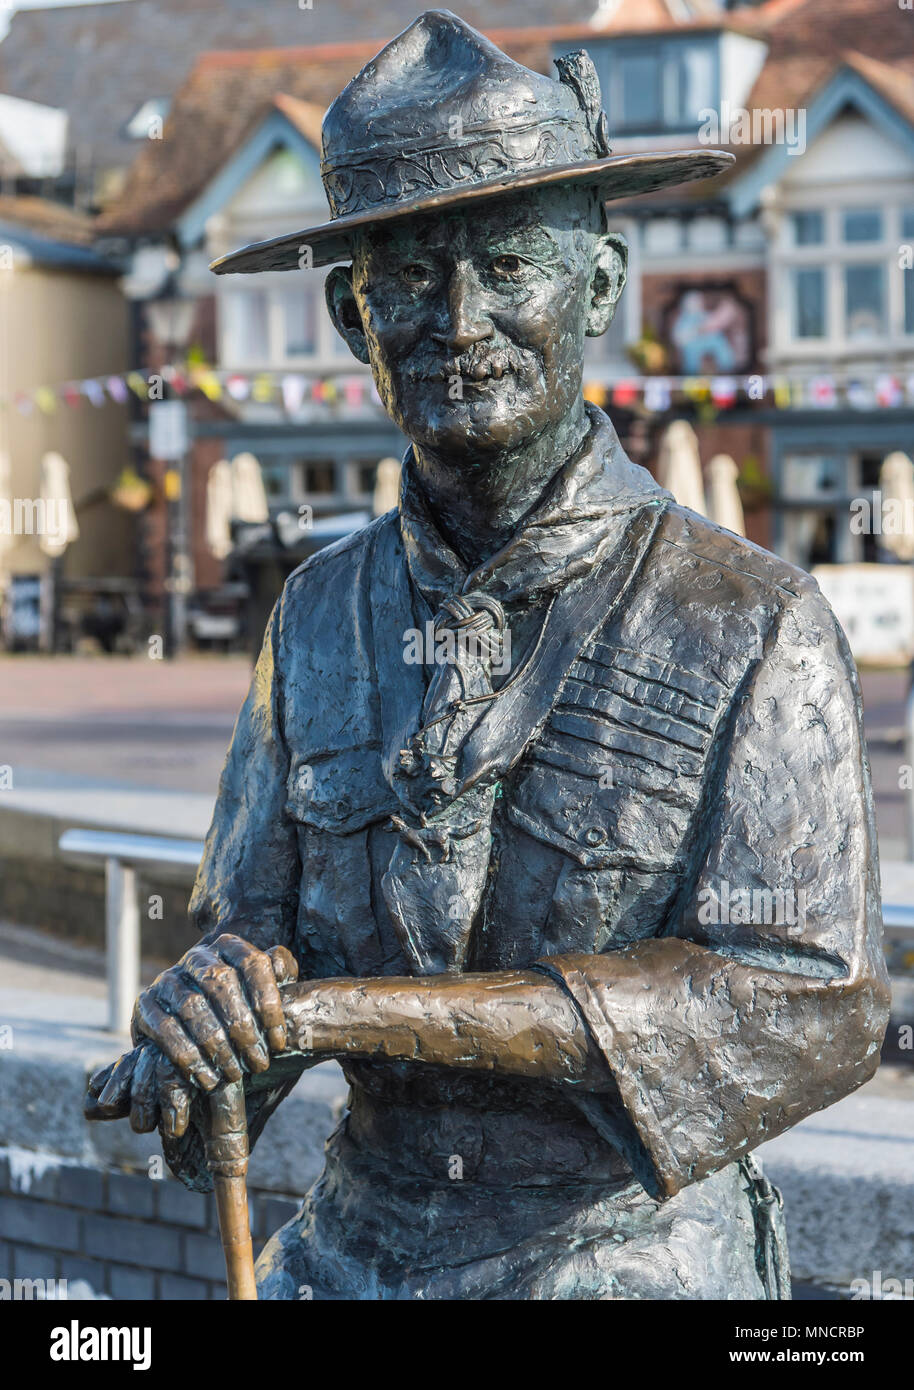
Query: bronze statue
[[549, 793]]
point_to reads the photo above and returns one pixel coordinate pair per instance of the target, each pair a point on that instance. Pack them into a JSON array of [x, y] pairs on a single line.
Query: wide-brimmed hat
[[442, 118]]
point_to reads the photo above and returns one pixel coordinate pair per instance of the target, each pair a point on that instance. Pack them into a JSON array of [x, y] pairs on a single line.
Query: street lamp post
[[171, 314]]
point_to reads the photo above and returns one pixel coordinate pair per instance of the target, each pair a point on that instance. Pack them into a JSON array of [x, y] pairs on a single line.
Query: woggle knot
[[477, 623]]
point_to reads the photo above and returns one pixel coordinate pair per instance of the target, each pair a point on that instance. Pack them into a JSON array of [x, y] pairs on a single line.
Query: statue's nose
[[467, 322]]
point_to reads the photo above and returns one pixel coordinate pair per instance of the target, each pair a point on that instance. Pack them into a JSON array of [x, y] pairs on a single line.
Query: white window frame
[[326, 357], [832, 255]]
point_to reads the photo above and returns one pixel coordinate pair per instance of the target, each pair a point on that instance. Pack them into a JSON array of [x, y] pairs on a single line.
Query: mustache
[[476, 364]]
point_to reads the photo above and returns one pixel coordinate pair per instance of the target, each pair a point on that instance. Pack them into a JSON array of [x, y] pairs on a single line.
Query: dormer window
[[656, 85], [838, 280]]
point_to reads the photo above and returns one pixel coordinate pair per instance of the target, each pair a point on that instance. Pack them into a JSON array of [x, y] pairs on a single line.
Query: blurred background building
[[772, 309]]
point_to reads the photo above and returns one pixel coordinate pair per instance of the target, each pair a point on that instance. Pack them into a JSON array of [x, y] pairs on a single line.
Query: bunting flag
[[93, 391], [697, 389], [822, 391], [860, 394], [657, 395], [723, 391], [889, 391], [296, 393], [138, 384], [262, 388], [626, 392]]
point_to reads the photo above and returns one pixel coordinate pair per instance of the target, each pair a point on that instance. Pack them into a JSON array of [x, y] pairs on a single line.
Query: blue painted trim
[[306, 444], [275, 132], [845, 88]]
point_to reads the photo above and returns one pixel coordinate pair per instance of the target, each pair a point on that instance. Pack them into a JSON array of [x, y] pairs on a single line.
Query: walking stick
[[226, 1146]]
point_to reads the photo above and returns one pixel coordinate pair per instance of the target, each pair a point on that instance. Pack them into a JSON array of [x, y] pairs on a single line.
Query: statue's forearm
[[516, 1022]]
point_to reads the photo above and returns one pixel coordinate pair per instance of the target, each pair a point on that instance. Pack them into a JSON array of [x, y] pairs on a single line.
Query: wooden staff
[[227, 1153]]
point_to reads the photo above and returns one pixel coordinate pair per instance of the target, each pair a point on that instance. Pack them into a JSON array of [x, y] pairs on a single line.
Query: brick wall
[[127, 1235]]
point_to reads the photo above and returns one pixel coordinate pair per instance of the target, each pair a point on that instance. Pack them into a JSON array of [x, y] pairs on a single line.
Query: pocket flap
[[600, 823], [340, 791]]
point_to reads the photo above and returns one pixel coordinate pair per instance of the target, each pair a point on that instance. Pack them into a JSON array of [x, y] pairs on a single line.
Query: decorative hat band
[[482, 154]]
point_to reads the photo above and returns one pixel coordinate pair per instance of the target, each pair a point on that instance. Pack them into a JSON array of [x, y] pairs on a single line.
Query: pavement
[[121, 742]]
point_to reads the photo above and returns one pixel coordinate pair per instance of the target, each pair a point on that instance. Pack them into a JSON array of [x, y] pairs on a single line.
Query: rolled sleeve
[[765, 998]]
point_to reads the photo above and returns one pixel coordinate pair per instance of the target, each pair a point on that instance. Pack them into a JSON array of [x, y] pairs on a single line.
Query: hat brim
[[616, 176]]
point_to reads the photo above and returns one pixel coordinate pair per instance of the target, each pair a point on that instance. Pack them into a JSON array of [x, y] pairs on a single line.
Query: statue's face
[[474, 321]]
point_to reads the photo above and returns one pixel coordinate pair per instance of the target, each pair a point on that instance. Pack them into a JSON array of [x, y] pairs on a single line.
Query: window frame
[[232, 354], [833, 255], [609, 58]]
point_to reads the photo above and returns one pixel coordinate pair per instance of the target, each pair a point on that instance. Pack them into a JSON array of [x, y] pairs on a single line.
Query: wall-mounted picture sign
[[709, 330]]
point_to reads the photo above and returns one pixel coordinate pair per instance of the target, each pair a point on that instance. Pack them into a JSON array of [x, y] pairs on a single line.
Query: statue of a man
[[551, 793]]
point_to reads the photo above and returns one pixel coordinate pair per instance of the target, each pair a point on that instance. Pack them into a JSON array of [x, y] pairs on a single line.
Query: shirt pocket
[[335, 797], [604, 808]]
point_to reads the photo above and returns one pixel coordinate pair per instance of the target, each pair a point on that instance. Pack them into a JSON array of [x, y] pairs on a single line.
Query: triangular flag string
[[297, 392]]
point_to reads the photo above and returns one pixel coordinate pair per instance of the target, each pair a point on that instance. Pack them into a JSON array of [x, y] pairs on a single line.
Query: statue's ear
[[607, 280], [344, 310]]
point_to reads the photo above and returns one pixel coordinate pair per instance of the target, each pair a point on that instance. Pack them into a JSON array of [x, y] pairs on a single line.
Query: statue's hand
[[217, 1012], [145, 1085]]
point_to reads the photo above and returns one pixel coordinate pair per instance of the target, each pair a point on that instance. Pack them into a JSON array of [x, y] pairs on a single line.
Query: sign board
[[875, 606], [23, 611], [168, 433]]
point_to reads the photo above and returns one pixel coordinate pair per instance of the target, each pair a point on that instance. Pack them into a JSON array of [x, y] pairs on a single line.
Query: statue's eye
[[414, 274], [507, 265]]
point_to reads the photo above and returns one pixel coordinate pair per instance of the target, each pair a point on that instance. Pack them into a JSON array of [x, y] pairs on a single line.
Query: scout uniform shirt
[[665, 807]]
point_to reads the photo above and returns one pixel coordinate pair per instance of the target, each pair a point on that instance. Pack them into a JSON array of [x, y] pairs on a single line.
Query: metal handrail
[[899, 916], [131, 849], [121, 853]]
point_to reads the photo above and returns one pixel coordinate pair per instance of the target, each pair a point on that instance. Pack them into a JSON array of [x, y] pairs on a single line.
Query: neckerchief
[[573, 556]]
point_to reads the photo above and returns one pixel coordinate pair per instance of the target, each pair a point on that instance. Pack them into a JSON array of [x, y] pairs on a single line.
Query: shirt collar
[[562, 539]]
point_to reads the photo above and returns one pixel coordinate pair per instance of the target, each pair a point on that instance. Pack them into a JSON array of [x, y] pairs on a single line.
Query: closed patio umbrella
[[679, 466], [61, 527], [896, 483], [387, 487], [249, 499], [219, 509], [724, 505]]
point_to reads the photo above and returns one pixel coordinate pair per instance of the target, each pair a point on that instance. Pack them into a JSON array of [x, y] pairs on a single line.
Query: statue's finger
[[202, 1026], [168, 1033], [99, 1080], [220, 983], [256, 970], [174, 1099], [285, 966], [113, 1101], [144, 1104]]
